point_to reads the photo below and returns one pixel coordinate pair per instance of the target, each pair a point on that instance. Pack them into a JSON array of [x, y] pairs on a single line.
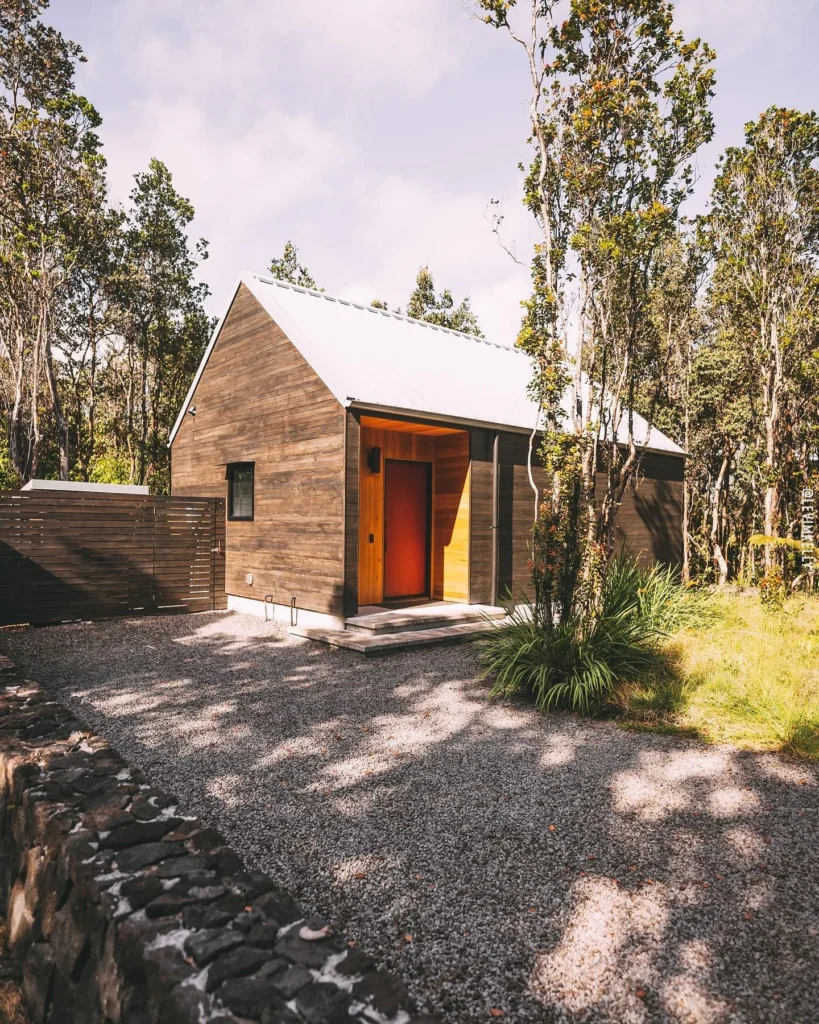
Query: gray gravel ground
[[554, 869]]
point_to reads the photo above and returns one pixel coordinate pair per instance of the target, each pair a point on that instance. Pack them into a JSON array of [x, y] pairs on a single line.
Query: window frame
[[230, 470]]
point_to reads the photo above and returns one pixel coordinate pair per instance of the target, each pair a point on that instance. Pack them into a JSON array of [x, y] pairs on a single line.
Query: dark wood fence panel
[[78, 555]]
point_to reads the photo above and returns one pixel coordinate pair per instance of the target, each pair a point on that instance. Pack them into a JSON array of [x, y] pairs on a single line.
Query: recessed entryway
[[416, 546]]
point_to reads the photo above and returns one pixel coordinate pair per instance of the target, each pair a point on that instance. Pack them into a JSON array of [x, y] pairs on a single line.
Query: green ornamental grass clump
[[578, 666]]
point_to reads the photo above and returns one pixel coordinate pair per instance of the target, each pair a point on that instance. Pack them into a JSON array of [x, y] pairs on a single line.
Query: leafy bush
[[577, 666], [772, 590]]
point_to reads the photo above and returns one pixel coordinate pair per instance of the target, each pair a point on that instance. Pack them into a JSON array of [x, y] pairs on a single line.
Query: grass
[[750, 677]]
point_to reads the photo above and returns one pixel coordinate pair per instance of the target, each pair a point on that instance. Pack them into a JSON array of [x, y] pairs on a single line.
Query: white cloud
[[256, 108], [243, 46], [735, 26], [242, 179], [402, 224]]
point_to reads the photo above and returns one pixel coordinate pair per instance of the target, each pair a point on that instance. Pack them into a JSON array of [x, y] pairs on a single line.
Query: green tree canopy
[[440, 309], [287, 268]]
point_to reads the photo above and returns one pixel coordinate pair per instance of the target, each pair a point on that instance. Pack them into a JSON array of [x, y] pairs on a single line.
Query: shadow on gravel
[[555, 869]]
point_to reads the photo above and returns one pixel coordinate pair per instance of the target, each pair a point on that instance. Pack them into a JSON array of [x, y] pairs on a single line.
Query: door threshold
[[406, 602]]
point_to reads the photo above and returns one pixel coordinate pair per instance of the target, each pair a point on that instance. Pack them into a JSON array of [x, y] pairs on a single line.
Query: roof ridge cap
[[263, 279]]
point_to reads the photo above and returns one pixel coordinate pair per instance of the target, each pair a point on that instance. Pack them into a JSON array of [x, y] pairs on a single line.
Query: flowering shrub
[[772, 589]]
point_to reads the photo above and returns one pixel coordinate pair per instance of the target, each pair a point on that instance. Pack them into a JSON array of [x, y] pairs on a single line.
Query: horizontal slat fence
[[78, 555]]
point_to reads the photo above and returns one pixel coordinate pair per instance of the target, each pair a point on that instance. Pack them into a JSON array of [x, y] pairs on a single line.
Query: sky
[[371, 133]]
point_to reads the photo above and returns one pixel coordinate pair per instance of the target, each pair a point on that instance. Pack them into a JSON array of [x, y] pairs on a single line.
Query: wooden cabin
[[370, 459]]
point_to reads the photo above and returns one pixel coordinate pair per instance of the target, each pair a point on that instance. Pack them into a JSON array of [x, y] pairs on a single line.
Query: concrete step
[[422, 617], [370, 644]]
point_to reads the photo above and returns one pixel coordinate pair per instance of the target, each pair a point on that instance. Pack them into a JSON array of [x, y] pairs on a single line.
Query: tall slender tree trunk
[[686, 538], [716, 510], [772, 386]]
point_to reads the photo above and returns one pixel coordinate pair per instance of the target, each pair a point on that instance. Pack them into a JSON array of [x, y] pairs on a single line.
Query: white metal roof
[[81, 485], [371, 358]]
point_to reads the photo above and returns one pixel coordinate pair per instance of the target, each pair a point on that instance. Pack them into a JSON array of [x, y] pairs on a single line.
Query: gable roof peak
[[263, 279]]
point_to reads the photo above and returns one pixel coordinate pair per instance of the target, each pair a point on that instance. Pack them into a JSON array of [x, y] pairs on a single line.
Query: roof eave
[[463, 421], [204, 362]]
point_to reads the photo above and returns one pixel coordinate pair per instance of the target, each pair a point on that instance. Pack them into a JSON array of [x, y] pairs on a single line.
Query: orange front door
[[406, 528]]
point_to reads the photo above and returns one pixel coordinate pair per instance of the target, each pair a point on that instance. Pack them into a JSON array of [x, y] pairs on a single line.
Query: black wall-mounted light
[[374, 460], [192, 410]]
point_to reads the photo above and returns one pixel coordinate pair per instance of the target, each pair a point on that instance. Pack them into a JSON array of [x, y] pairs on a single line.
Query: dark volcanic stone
[[323, 1004], [282, 1015], [291, 980], [142, 809], [107, 817], [232, 903], [205, 917], [91, 784], [204, 840], [184, 1005], [385, 991], [166, 967], [235, 964], [253, 884], [225, 861], [308, 953], [279, 907], [355, 962], [70, 933], [184, 865], [37, 972], [204, 946], [264, 934], [168, 904], [137, 857], [250, 997], [137, 833], [141, 890]]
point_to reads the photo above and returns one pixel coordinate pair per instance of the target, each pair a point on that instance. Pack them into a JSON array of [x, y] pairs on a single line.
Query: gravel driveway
[[552, 869]]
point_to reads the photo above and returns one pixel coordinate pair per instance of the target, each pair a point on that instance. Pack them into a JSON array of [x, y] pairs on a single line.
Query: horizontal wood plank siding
[[351, 514], [480, 546], [516, 514], [259, 401], [80, 555], [649, 523]]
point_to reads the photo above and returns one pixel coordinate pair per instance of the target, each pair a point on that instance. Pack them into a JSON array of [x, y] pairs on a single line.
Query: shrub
[[577, 666], [772, 590]]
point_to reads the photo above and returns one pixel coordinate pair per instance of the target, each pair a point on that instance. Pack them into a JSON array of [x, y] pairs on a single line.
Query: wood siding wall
[[352, 475], [449, 455], [480, 541], [83, 555], [259, 401], [649, 522]]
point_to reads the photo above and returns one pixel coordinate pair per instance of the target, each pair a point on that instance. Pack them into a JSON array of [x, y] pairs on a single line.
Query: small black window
[[240, 490]]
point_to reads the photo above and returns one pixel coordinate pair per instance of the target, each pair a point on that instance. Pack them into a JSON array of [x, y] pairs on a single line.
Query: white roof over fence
[[371, 358], [81, 485]]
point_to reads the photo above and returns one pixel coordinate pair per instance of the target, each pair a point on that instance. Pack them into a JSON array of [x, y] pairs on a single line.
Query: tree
[[51, 183], [88, 323], [425, 305], [287, 268], [765, 229], [163, 324], [618, 106]]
